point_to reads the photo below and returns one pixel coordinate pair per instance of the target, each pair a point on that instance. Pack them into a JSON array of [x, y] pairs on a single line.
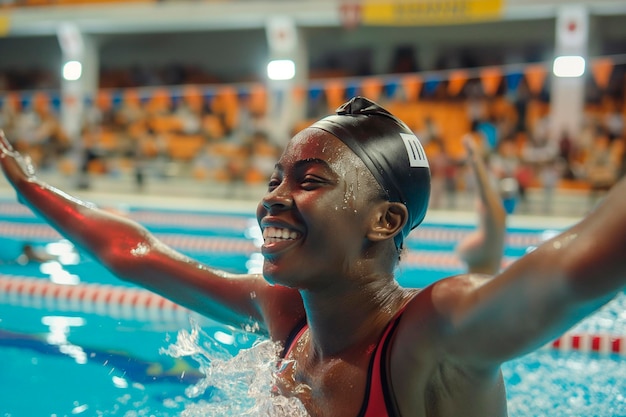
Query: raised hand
[[15, 166]]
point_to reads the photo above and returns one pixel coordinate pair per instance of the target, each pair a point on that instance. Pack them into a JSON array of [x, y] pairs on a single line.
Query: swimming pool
[[74, 340]]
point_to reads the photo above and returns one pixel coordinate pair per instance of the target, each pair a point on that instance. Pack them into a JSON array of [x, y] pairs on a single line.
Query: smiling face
[[317, 212]]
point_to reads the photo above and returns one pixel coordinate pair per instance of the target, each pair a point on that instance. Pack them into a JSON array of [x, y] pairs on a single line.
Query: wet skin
[[319, 197]]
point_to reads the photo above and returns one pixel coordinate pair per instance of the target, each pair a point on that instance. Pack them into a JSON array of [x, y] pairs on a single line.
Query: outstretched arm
[[132, 253], [482, 249], [539, 296]]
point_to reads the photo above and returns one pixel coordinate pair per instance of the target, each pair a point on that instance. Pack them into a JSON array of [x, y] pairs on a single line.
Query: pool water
[[75, 340]]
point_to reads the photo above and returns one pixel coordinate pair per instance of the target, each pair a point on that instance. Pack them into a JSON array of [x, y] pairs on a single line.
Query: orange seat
[[184, 147]]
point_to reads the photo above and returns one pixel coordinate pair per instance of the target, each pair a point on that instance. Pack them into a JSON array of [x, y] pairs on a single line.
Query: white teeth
[[275, 234]]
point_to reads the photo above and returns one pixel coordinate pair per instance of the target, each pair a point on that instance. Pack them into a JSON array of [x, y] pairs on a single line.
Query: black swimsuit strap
[[292, 336], [390, 399]]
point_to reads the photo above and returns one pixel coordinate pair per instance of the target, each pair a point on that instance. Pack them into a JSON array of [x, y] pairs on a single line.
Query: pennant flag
[[208, 95], [371, 88], [299, 93], [602, 68], [117, 99], [70, 100], [412, 85], [41, 102], [335, 93], [535, 77], [390, 88], [315, 92], [55, 101], [14, 100], [456, 81], [192, 97], [512, 80], [352, 90], [431, 84], [176, 97], [257, 101], [130, 96], [490, 79], [104, 100], [159, 100], [26, 102]]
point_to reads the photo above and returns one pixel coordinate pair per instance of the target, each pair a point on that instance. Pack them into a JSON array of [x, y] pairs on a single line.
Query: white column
[[568, 93], [80, 48], [286, 41]]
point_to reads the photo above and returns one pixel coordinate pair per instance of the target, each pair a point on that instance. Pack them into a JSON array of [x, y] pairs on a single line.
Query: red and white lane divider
[[439, 260], [602, 343], [105, 300], [180, 241]]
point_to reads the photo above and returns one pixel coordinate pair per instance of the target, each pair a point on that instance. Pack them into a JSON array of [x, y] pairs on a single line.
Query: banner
[[429, 12], [5, 24]]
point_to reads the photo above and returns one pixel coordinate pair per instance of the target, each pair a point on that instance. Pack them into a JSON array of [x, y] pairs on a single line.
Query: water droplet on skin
[[141, 249]]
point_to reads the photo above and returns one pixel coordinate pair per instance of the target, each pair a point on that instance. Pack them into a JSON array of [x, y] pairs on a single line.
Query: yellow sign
[[429, 12], [5, 24]]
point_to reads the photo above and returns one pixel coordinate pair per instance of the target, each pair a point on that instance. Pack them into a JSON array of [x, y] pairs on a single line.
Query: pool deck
[[190, 194]]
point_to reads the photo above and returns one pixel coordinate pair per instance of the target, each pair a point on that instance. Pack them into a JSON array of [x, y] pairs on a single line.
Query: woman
[[343, 197]]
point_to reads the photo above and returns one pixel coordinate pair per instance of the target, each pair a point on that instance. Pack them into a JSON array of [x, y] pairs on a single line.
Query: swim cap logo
[[415, 151]]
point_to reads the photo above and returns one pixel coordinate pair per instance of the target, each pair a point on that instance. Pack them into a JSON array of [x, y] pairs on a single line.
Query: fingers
[[5, 146]]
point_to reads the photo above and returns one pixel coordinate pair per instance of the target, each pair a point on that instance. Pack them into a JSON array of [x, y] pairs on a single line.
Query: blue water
[[58, 360]]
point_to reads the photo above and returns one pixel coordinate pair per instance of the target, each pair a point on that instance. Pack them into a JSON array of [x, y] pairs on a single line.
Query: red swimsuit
[[378, 401]]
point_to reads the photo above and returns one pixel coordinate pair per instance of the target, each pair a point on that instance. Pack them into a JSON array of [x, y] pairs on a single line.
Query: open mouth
[[278, 234]]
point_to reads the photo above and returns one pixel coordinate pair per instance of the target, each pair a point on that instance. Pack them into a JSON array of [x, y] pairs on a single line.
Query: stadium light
[[568, 66], [72, 70], [281, 69]]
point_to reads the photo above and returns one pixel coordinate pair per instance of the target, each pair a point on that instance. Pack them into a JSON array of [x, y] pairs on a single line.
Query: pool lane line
[[180, 241], [101, 299], [601, 343], [135, 368], [137, 303]]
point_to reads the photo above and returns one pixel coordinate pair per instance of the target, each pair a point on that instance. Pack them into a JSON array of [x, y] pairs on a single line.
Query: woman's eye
[[273, 183], [312, 181]]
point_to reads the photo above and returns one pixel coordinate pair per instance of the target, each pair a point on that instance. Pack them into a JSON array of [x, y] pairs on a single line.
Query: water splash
[[239, 385]]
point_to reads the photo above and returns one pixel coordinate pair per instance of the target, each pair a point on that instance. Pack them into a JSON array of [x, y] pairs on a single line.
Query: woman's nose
[[278, 199]]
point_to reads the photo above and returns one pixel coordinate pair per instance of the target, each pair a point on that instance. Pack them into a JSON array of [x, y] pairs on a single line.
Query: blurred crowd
[[521, 155], [226, 137]]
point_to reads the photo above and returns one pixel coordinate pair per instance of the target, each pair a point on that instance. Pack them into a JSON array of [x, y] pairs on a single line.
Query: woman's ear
[[389, 219]]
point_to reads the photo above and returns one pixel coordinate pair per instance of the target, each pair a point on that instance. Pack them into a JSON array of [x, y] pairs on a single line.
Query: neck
[[352, 317]]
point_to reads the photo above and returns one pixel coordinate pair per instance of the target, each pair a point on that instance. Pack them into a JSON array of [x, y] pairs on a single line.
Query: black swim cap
[[390, 150]]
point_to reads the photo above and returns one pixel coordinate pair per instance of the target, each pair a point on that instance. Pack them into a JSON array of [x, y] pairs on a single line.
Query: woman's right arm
[[133, 254]]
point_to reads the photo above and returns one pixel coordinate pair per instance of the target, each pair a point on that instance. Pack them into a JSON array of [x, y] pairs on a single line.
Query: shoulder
[[282, 310], [439, 298], [427, 317]]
